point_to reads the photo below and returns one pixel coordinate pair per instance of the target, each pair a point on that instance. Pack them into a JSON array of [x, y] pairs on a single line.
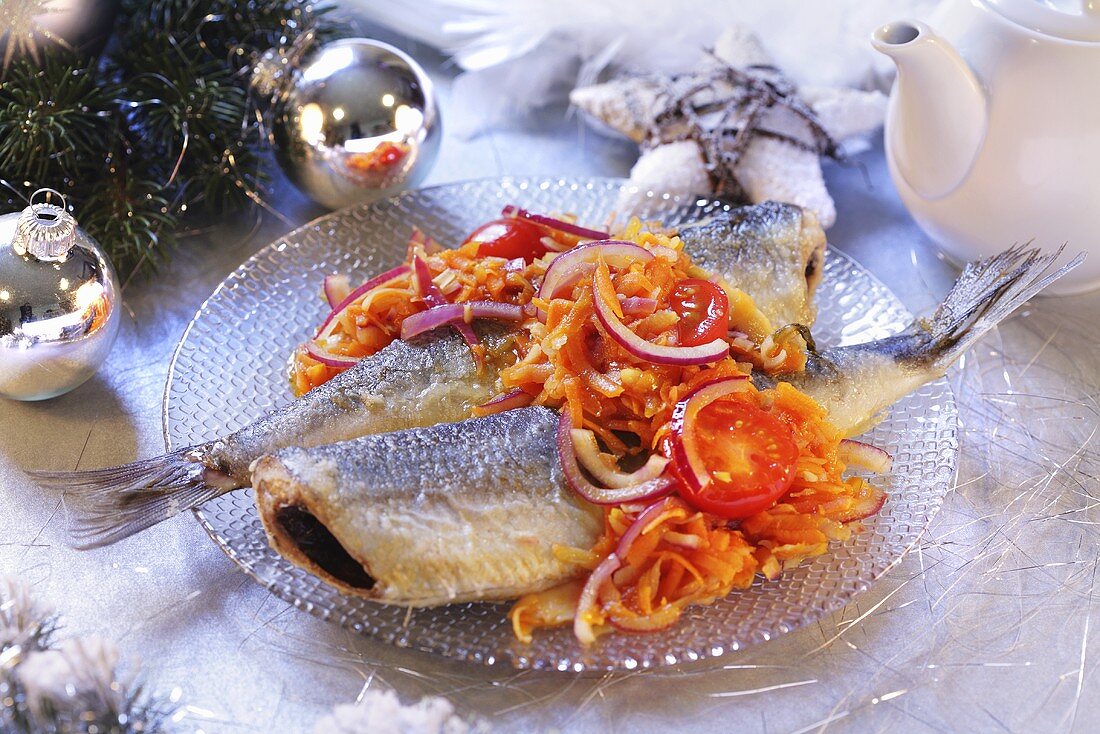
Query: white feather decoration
[[519, 55]]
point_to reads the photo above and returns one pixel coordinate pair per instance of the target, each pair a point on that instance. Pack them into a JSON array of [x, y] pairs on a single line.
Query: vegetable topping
[[705, 480]]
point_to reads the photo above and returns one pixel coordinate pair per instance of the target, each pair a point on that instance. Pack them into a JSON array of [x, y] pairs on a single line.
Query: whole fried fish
[[426, 516], [429, 380], [471, 510]]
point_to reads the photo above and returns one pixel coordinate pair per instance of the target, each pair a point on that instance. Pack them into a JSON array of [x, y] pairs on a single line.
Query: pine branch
[[74, 686], [165, 126], [195, 113], [130, 215], [192, 117], [55, 122]]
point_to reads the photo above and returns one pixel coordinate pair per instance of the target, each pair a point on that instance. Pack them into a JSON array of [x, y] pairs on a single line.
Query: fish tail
[[107, 505], [986, 293]]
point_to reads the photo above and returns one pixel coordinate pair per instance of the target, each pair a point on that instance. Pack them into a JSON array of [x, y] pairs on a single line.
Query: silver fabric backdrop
[[987, 625]]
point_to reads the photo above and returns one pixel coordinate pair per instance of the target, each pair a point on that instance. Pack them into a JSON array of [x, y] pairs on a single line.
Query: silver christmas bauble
[[354, 121], [59, 299]]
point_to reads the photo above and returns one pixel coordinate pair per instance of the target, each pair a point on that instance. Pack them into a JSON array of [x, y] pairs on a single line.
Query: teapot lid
[[1072, 20]]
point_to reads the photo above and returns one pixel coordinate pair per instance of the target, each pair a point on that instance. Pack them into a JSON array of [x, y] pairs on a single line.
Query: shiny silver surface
[[357, 122], [58, 316], [988, 624]]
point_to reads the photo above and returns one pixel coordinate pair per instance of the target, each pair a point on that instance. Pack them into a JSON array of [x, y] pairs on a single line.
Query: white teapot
[[993, 127]]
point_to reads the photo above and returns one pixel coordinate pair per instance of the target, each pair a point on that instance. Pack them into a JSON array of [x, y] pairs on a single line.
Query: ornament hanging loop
[[50, 194], [45, 231]]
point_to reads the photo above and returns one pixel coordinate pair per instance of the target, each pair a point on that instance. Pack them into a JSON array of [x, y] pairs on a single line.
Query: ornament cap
[[45, 231], [275, 68]]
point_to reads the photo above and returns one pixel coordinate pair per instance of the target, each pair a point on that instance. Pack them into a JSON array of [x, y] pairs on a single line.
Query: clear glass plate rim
[[247, 268]]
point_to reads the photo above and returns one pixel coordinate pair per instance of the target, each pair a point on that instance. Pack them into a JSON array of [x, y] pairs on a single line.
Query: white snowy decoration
[[381, 712], [735, 126], [75, 685]]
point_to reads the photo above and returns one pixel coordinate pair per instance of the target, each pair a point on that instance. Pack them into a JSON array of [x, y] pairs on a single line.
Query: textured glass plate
[[231, 365]]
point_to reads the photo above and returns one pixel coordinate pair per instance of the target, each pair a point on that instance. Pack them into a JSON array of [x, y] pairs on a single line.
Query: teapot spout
[[938, 114]]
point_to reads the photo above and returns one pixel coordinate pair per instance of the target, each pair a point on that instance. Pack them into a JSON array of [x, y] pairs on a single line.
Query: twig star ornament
[[21, 26], [736, 127]]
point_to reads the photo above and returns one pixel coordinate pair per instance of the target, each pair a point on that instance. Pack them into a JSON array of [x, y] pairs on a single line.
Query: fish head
[[774, 252]]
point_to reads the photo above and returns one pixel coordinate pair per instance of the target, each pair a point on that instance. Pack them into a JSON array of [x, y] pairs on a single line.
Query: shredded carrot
[[564, 359], [374, 320]]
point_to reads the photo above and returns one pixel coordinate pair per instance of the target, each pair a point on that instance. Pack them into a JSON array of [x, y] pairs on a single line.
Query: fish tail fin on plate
[[107, 505], [857, 382], [986, 293]]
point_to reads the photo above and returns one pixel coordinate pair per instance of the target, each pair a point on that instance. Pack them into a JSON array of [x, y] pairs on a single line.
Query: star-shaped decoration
[[21, 28], [736, 127]]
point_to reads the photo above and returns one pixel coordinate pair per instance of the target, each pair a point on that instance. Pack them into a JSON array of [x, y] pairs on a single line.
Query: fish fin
[[986, 293], [106, 505]]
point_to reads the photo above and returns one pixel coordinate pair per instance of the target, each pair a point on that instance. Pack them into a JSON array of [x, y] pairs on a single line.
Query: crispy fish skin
[[428, 380], [427, 516], [774, 252]]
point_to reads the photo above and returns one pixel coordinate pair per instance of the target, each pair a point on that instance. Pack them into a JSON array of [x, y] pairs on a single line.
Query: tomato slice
[[704, 311], [509, 238], [749, 455]]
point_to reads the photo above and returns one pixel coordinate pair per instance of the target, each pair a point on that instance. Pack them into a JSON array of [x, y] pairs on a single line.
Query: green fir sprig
[[159, 129], [51, 116]]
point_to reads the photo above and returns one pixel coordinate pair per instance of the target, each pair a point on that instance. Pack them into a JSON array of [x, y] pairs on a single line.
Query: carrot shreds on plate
[[566, 358]]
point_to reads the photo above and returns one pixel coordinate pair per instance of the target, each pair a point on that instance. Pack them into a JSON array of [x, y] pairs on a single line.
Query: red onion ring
[[432, 296], [576, 480], [655, 353], [647, 518], [685, 453], [336, 288], [355, 295], [588, 454], [505, 401], [428, 290], [638, 306], [865, 456], [569, 267], [570, 229], [326, 357], [864, 507], [438, 316], [589, 598], [603, 572]]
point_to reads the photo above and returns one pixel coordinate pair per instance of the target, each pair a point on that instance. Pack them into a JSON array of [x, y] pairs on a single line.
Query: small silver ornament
[[351, 121], [59, 300]]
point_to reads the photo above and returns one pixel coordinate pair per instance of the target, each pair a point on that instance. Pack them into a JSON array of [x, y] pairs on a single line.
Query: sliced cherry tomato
[[749, 455], [384, 156], [704, 312], [509, 238]]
